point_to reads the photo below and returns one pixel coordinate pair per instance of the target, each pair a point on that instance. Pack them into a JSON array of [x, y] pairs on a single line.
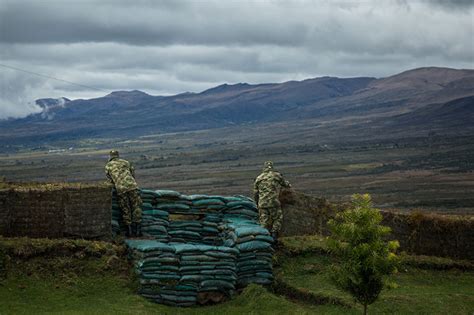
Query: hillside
[[125, 114]]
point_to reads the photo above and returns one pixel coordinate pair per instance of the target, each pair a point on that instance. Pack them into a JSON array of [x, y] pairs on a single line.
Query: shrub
[[363, 257]]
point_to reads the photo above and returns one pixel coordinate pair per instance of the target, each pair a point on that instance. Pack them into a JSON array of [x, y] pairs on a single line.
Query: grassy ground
[[419, 291], [407, 172], [80, 277]]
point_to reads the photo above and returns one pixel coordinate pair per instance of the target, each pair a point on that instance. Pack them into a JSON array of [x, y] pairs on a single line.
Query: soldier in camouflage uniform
[[267, 189], [122, 175]]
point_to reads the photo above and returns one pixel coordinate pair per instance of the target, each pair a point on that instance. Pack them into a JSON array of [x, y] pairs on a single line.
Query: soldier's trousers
[[271, 218], [131, 205]]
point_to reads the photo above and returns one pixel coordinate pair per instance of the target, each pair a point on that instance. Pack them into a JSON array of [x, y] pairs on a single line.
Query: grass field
[[400, 171], [45, 277]]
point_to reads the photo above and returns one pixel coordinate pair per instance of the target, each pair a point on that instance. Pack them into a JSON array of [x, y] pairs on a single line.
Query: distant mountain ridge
[[135, 113]]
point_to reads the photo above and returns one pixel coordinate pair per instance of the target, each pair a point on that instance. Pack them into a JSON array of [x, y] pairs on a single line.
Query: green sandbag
[[148, 191], [167, 193], [198, 258], [230, 278], [235, 221], [242, 203], [243, 212], [220, 254], [216, 208], [163, 269], [147, 206], [159, 260], [172, 206], [182, 233], [253, 246], [245, 198], [251, 230], [155, 229], [155, 212], [185, 224], [148, 220], [265, 275], [160, 276], [193, 278], [232, 199], [255, 264], [221, 272], [208, 202], [218, 284], [149, 245], [194, 197], [263, 238], [254, 268]]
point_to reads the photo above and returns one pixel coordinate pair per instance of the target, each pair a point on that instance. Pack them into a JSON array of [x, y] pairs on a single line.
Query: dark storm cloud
[[453, 4], [151, 24], [168, 47]]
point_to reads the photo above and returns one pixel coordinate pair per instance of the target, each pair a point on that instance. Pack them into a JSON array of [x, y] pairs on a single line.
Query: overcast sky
[[169, 47]]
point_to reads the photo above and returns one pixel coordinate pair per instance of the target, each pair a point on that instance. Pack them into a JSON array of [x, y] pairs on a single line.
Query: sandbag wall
[[198, 244]]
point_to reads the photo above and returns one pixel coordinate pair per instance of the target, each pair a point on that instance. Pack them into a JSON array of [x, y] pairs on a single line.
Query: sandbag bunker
[[199, 249]]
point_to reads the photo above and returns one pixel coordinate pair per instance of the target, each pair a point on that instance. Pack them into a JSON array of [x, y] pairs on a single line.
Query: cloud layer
[[169, 47]]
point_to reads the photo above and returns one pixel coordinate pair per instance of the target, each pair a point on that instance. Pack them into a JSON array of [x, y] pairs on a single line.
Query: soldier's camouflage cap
[[268, 165], [114, 153]]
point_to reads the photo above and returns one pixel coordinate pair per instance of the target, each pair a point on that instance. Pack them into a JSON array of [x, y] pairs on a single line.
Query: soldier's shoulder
[[276, 174], [124, 161]]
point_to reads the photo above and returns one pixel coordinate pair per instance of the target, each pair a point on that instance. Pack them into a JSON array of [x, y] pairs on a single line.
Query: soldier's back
[[269, 186], [120, 172]]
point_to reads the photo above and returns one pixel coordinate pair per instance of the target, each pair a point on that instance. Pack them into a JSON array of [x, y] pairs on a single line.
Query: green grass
[[86, 277], [109, 293], [419, 291]]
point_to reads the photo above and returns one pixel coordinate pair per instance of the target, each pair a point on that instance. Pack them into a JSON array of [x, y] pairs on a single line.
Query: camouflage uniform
[[267, 189], [122, 175]]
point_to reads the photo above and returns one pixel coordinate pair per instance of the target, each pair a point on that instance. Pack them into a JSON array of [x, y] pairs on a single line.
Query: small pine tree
[[363, 257]]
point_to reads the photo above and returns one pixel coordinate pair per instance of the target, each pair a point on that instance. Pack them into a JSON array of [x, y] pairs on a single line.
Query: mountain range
[[421, 97]]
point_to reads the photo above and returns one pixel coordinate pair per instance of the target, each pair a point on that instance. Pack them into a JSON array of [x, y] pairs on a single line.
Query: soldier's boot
[[275, 236], [138, 230], [128, 231], [276, 243]]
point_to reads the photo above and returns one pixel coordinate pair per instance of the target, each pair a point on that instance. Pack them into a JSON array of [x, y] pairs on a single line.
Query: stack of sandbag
[[210, 268], [202, 246], [202, 231], [175, 273], [211, 229], [155, 223], [240, 206], [254, 243], [185, 231], [157, 266], [206, 204]]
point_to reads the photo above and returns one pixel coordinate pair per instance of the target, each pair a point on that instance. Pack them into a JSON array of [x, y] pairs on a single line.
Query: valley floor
[[406, 171]]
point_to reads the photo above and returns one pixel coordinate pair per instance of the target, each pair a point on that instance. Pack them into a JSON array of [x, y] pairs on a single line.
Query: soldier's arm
[[132, 170], [284, 183], [255, 192], [109, 178]]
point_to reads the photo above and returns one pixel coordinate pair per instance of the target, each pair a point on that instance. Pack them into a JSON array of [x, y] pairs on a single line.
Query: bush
[[363, 257]]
